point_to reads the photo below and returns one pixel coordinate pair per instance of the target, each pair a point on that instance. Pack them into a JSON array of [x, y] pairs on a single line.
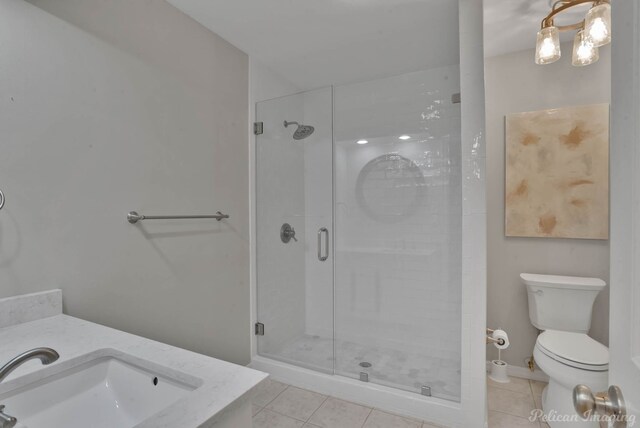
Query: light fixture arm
[[565, 5]]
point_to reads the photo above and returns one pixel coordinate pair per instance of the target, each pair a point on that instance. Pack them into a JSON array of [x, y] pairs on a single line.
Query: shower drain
[[365, 364]]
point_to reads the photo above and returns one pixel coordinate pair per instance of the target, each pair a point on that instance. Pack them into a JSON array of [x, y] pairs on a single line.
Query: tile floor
[[277, 405], [510, 404]]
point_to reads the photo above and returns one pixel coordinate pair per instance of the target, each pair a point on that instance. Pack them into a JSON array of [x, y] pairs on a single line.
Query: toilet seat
[[575, 350]]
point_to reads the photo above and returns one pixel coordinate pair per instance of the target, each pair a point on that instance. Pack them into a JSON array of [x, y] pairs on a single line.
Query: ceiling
[[314, 43], [511, 25]]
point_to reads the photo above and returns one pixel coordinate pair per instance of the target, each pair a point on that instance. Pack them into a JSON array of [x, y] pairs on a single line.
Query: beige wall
[[111, 106], [515, 84]]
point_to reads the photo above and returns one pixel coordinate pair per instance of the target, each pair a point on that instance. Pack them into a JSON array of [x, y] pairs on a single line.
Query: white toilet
[[561, 306]]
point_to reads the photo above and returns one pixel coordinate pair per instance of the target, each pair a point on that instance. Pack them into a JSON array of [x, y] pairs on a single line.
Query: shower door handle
[[326, 244]]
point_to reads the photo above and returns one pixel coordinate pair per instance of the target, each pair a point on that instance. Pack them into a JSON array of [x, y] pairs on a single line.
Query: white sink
[[104, 392]]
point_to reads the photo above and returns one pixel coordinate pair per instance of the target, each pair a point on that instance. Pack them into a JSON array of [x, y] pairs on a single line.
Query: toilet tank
[[561, 303]]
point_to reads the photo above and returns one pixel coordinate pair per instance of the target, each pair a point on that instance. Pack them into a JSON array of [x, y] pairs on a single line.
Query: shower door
[[389, 169], [398, 222], [294, 230]]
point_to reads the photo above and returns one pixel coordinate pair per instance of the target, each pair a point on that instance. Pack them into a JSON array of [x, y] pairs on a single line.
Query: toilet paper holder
[[491, 339]]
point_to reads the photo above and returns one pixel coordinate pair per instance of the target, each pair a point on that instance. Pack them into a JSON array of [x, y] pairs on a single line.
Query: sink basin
[[104, 392]]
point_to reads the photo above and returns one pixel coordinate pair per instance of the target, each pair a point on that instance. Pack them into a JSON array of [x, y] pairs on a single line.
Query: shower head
[[302, 132]]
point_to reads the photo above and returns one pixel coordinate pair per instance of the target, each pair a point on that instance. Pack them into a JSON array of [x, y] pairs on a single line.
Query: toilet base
[[557, 398], [557, 402]]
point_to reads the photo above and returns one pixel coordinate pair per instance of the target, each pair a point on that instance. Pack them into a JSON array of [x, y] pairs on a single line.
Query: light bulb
[[584, 52], [361, 142], [597, 25], [404, 137], [548, 45]]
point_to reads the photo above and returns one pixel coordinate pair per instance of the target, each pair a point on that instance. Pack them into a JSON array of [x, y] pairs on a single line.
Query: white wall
[[474, 214], [109, 107], [267, 84], [515, 84]]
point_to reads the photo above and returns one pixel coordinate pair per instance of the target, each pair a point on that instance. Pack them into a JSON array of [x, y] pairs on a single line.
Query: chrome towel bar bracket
[[133, 217]]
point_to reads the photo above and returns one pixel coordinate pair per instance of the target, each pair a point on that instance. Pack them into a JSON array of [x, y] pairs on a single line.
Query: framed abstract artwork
[[557, 173]]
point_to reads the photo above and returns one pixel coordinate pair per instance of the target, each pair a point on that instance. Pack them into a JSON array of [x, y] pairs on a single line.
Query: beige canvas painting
[[557, 173]]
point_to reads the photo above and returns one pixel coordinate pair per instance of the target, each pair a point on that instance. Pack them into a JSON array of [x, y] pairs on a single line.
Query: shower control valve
[[287, 233]]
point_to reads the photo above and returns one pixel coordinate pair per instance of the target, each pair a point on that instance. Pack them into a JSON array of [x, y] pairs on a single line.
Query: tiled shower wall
[[397, 275]]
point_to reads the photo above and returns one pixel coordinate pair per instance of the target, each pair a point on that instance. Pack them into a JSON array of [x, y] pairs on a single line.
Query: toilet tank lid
[[575, 282]]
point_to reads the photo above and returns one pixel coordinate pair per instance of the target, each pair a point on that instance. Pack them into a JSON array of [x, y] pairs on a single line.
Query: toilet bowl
[[561, 306], [569, 359]]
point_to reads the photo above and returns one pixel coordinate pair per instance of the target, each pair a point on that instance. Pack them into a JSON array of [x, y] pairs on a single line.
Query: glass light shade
[[584, 52], [548, 45], [597, 25]]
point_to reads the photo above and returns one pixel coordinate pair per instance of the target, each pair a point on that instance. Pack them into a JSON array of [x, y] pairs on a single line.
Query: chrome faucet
[[45, 355], [6, 421]]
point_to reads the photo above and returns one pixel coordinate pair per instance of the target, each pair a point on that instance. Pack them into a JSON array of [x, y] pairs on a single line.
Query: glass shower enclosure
[[358, 231], [294, 231]]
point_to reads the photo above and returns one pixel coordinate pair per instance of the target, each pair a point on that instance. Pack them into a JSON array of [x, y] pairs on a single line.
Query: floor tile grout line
[[326, 397], [510, 414], [498, 386], [279, 394], [533, 395], [398, 415], [256, 414], [367, 418], [507, 389], [288, 416]]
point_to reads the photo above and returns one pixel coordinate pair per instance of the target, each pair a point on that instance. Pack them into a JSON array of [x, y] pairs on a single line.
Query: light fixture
[[404, 137], [584, 52], [361, 142], [597, 25], [548, 45], [593, 32]]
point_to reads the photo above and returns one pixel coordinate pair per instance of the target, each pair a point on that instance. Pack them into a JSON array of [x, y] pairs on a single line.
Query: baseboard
[[524, 373]]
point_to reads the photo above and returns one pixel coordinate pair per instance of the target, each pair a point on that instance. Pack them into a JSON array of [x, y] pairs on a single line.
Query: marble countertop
[[222, 384]]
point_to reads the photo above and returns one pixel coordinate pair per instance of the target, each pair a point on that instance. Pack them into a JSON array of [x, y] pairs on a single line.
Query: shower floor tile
[[398, 368]]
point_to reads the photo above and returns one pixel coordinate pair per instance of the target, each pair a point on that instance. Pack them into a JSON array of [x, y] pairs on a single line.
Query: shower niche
[[369, 176]]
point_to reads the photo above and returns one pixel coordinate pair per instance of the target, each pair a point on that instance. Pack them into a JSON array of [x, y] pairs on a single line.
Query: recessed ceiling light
[[361, 142], [404, 137]]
